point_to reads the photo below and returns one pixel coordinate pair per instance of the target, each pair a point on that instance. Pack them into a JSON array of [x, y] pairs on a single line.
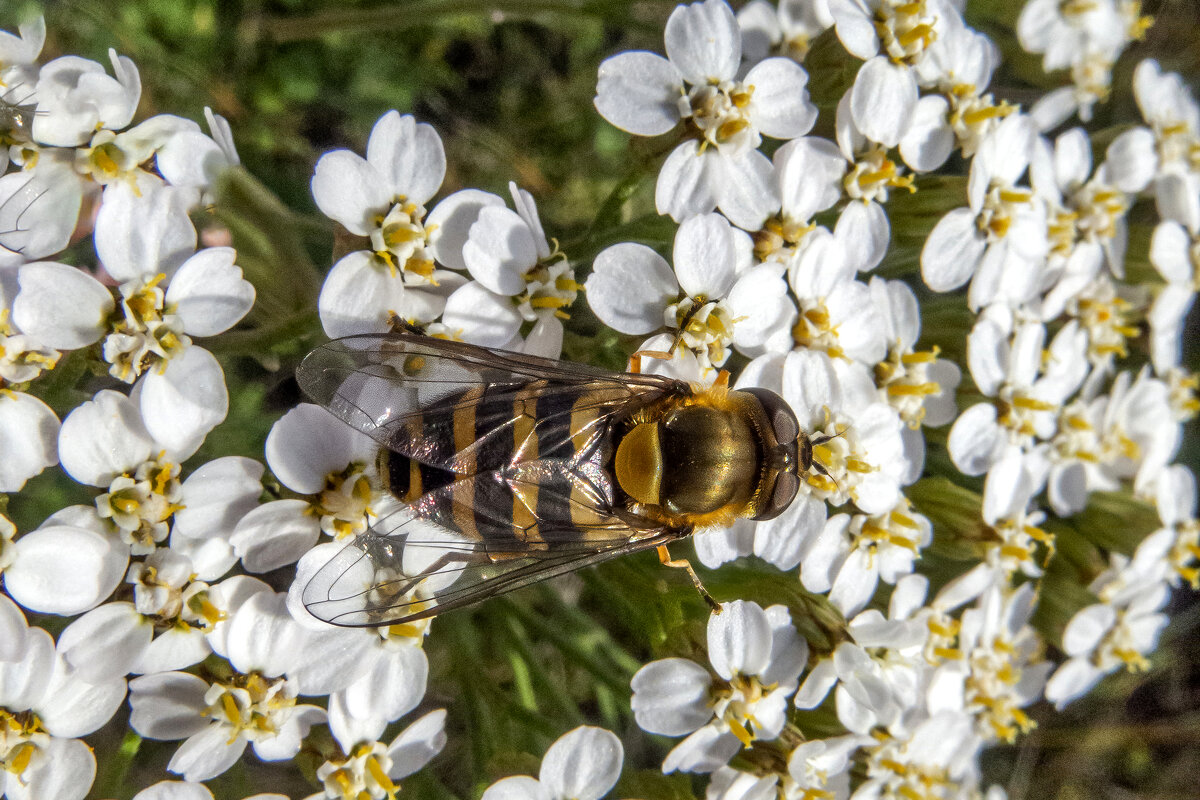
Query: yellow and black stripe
[[483, 437]]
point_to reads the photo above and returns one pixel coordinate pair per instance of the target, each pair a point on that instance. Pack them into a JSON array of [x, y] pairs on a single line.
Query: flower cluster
[[1067, 386]]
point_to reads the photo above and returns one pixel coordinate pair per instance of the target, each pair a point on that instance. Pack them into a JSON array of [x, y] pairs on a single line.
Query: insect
[[504, 469]]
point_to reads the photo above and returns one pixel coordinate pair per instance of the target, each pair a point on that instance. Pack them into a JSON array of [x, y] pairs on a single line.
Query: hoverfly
[[507, 469]]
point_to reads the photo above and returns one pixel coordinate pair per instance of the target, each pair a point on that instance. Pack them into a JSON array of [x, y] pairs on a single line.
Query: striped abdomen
[[516, 464]]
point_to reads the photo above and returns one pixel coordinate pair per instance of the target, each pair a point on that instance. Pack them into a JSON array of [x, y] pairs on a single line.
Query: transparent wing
[[421, 560], [405, 391]]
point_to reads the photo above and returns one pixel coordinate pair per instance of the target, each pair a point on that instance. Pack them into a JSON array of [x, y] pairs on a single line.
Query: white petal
[[685, 185], [207, 754], [704, 256], [1132, 160], [172, 650], [629, 287], [216, 495], [883, 101], [747, 193], [103, 438], [517, 787], [705, 750], [73, 707], [703, 41], [174, 790], [275, 534], [450, 223], [23, 683], [809, 172], [975, 439], [350, 190], [1072, 680], [308, 443], [1170, 252], [1087, 628], [952, 251], [105, 642], [780, 107], [393, 687], [499, 250], [930, 139], [65, 570], [417, 744], [670, 696], [583, 764], [854, 27], [480, 316], [60, 306], [28, 439], [63, 769], [13, 631], [209, 293], [181, 404], [409, 155], [639, 93], [143, 230], [739, 639], [863, 232]]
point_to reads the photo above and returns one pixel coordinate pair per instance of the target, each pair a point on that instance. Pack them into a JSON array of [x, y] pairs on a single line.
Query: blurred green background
[[509, 86]]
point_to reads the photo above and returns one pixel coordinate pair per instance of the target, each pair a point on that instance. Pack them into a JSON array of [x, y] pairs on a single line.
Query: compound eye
[[786, 486], [783, 419]]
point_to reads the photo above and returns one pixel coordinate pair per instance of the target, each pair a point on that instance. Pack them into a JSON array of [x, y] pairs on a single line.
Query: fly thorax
[[400, 239], [720, 115], [711, 461]]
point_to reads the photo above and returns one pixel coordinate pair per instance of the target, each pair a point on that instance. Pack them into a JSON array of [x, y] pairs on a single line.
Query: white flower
[[711, 300], [757, 657], [518, 278], [371, 769], [1102, 638], [583, 764], [1008, 364], [784, 31], [647, 95], [999, 242], [383, 197], [312, 453], [891, 37], [76, 98], [853, 553], [46, 707]]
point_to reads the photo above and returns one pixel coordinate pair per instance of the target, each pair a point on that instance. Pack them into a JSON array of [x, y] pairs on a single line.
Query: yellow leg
[[722, 380], [682, 563], [635, 360]]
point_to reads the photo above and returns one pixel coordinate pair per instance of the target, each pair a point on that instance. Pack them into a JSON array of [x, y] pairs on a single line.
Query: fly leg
[[682, 563], [635, 360]]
